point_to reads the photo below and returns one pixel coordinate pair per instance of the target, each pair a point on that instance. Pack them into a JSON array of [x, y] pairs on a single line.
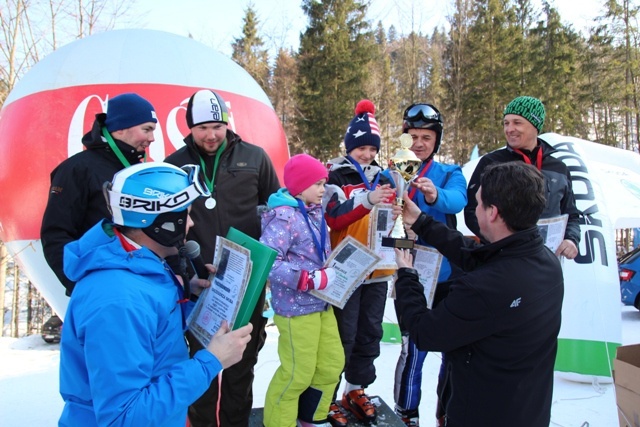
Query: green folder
[[262, 257]]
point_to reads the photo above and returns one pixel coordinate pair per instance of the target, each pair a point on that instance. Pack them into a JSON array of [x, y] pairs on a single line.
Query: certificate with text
[[427, 262], [552, 230], [381, 224], [352, 262], [222, 300]]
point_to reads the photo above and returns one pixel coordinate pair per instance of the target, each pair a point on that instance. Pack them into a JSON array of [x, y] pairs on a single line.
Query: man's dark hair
[[517, 190]]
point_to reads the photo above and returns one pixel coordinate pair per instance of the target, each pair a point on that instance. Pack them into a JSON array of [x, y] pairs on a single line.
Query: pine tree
[[459, 138], [334, 60], [554, 77], [435, 88], [382, 91], [410, 59], [248, 51], [622, 25], [600, 90], [282, 97], [492, 76], [525, 16]]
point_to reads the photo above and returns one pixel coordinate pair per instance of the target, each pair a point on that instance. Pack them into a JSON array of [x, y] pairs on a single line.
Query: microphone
[[192, 251]]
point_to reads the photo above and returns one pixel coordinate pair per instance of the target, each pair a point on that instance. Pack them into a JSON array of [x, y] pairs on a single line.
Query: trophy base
[[392, 242]]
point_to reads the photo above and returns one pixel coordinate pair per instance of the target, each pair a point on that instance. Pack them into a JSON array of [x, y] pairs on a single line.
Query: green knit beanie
[[528, 107]]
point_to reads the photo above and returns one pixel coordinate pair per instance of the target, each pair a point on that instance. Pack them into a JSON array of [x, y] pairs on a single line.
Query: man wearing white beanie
[[240, 177]]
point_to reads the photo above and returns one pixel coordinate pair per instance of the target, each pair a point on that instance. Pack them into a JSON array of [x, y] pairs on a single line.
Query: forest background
[[489, 52]]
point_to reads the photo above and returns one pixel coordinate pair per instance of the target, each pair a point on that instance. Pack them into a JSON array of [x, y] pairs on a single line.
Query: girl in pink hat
[[309, 347]]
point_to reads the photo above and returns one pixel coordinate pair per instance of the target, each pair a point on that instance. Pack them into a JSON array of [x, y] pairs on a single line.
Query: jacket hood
[[99, 248], [282, 198], [94, 140]]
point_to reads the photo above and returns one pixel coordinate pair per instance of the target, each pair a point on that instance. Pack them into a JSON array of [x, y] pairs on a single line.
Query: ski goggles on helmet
[[196, 180], [421, 112], [160, 202]]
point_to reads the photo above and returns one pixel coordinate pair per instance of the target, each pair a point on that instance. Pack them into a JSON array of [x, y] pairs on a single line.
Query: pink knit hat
[[302, 171]]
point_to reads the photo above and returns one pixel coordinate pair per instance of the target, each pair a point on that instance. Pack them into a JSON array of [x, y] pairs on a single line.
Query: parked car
[[52, 329], [629, 272]]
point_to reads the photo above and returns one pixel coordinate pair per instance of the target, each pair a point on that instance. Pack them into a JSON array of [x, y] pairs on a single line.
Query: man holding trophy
[[440, 191]]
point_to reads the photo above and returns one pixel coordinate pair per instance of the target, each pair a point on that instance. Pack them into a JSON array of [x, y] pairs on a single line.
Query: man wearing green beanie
[[523, 120]]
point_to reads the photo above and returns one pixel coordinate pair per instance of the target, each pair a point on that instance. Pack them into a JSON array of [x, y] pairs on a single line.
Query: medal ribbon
[[116, 150], [210, 182], [371, 186], [422, 173], [323, 230], [527, 160]]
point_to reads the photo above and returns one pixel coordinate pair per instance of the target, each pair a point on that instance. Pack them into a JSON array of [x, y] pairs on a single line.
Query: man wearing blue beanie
[[118, 139], [128, 110]]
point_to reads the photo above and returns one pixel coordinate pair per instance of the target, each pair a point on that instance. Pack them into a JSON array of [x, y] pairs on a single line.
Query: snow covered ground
[[29, 382]]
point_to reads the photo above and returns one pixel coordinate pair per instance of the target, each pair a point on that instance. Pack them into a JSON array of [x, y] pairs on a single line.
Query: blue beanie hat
[[128, 110], [363, 128]]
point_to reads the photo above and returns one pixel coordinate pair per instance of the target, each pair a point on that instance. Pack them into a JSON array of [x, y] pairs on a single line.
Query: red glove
[[316, 279]]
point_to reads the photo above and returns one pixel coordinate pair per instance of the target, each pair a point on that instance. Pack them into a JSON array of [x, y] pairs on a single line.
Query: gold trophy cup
[[403, 166]]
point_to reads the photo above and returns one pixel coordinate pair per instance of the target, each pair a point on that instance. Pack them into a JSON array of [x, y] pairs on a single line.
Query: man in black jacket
[[523, 120], [240, 177], [499, 321], [117, 140]]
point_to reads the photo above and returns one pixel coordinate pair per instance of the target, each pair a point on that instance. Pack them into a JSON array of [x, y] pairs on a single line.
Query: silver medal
[[210, 203]]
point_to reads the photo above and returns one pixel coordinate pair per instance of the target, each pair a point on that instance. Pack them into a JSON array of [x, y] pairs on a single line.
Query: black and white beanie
[[206, 106]]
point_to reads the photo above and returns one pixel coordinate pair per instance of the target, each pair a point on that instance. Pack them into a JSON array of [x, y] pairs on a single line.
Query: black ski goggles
[[421, 112]]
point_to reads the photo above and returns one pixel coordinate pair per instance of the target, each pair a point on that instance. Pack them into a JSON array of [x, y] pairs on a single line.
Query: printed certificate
[[427, 262], [552, 230], [381, 224], [222, 300], [353, 262]]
